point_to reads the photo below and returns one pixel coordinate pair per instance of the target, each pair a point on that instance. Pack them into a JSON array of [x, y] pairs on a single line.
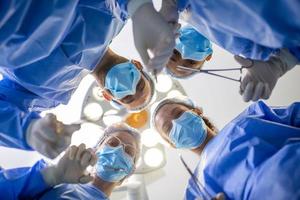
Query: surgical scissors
[[211, 72], [201, 188]]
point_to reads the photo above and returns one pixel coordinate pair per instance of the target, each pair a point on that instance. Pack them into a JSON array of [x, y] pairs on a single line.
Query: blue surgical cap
[[192, 45]]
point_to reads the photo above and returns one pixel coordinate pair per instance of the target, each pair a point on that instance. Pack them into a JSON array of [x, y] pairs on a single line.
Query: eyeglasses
[[211, 72], [114, 141], [196, 181]]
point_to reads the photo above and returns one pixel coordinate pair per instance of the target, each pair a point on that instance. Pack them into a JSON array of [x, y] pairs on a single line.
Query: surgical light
[[111, 117], [93, 111], [88, 134], [174, 93], [153, 157], [149, 138], [164, 83]]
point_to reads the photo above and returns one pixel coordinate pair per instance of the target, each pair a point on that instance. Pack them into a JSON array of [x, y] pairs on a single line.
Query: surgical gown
[[28, 183], [255, 156], [46, 48], [254, 29]]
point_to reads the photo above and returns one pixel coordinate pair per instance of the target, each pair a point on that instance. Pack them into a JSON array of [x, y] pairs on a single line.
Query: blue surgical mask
[[122, 79], [188, 131], [113, 163], [192, 45]]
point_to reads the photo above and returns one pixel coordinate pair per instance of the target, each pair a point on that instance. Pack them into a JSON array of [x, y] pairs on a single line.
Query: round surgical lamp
[[96, 110], [100, 112]]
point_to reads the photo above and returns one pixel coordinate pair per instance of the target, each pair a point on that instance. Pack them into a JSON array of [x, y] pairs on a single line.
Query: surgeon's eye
[[167, 127], [176, 53], [176, 112], [113, 142], [191, 62], [130, 150], [141, 85]]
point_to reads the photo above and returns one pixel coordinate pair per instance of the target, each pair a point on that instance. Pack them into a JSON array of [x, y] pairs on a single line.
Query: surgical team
[[47, 47]]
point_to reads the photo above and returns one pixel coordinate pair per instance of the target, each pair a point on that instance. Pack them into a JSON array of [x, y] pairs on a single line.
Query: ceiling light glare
[[93, 111], [97, 94], [174, 93], [153, 157], [154, 97], [164, 83], [89, 134], [150, 137], [110, 117]]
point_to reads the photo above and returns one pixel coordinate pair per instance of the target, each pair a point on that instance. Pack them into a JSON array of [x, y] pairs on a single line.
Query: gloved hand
[[169, 11], [171, 15], [71, 168], [49, 136], [262, 76], [152, 32]]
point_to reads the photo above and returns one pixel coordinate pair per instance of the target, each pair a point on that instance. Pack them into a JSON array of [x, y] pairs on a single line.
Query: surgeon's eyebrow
[[166, 127], [176, 112]]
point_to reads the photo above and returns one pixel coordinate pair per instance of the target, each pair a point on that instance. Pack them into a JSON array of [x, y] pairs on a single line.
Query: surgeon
[[255, 156], [264, 41], [192, 50], [43, 68], [114, 159], [78, 32], [125, 84]]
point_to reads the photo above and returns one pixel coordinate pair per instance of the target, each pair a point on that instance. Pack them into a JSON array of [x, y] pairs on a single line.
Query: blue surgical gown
[[255, 156], [22, 183], [254, 29], [46, 47], [28, 183]]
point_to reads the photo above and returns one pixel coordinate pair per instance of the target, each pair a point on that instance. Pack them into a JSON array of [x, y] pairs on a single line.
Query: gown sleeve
[[22, 183], [278, 177], [37, 27], [14, 116]]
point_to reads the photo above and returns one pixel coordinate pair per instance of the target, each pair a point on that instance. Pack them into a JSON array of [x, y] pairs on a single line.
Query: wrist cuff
[[289, 59]]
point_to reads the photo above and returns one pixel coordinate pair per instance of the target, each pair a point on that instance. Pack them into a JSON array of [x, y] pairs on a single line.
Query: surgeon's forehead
[[125, 137]]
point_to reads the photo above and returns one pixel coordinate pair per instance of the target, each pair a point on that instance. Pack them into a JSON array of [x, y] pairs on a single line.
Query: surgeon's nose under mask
[[113, 163], [122, 79], [188, 131]]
